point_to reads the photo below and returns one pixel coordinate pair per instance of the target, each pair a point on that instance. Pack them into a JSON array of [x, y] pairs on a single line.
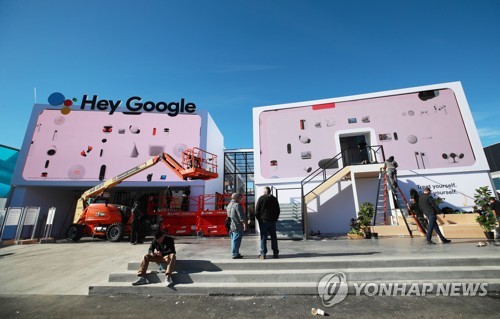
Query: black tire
[[115, 232], [74, 232]]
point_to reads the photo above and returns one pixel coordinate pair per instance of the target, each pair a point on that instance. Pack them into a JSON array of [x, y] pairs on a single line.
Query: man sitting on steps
[[162, 250]]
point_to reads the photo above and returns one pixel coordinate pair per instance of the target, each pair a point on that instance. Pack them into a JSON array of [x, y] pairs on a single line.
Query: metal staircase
[[329, 174]]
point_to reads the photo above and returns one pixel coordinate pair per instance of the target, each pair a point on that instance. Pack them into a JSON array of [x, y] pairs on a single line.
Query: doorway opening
[[355, 148]]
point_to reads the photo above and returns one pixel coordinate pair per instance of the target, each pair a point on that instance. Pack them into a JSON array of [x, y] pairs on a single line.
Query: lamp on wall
[[427, 95], [453, 156]]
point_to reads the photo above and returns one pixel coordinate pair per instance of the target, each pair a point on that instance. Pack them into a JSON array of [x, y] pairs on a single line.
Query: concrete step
[[206, 267], [273, 288], [289, 225], [314, 275], [252, 263], [396, 230]]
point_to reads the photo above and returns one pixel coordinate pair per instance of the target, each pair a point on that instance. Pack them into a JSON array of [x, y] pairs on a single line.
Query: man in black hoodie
[[162, 250], [267, 213], [429, 207]]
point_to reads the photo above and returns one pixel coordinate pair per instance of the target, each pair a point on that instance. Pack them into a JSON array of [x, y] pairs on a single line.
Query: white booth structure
[[63, 155], [429, 130]]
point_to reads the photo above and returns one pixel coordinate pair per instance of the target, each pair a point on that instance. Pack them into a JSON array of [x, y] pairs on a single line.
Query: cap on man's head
[[391, 158], [235, 196]]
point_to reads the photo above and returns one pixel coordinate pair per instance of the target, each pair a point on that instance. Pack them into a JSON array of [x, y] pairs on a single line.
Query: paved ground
[[27, 306], [51, 281]]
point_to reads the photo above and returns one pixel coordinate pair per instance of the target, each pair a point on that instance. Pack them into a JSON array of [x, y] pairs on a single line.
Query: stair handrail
[[344, 155], [276, 190], [322, 170], [373, 149]]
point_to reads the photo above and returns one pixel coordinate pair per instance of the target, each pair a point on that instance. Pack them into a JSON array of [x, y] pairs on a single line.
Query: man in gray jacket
[[238, 224], [429, 207]]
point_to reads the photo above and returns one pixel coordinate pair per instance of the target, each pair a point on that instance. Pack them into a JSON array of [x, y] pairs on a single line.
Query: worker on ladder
[[390, 168]]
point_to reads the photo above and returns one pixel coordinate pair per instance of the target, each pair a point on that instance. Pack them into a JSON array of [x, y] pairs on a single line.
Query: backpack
[[227, 223]]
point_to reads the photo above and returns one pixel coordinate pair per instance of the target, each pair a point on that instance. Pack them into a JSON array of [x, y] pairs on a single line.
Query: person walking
[[135, 235], [238, 224], [267, 213], [429, 207], [413, 207]]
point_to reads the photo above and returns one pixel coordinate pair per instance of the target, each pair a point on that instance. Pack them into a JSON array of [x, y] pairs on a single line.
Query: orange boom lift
[[112, 222]]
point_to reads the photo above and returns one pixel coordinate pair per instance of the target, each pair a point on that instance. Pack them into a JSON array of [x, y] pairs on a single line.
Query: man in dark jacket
[[267, 213], [162, 250], [413, 207], [135, 235], [390, 167], [495, 206], [431, 209]]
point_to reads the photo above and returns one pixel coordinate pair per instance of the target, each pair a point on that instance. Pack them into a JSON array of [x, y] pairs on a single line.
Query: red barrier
[[210, 220], [179, 223], [207, 220], [211, 223]]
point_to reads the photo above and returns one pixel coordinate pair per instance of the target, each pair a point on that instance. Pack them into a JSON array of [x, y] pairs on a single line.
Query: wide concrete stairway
[[362, 262]]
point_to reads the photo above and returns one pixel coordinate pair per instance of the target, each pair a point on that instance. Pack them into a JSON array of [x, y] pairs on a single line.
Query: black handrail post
[[303, 210], [383, 154]]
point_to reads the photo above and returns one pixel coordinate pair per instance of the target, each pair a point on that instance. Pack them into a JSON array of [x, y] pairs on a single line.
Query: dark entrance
[[355, 149]]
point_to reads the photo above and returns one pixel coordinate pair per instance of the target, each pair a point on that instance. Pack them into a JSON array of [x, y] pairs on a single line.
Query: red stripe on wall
[[323, 106]]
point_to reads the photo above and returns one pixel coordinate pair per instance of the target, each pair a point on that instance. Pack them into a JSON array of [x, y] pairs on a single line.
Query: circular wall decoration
[[179, 148], [76, 171], [412, 139], [59, 120]]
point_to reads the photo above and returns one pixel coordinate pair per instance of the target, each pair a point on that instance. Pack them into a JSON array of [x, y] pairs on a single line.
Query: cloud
[[481, 116], [488, 132]]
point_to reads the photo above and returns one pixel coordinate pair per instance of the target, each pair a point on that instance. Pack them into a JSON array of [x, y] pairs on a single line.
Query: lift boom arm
[[195, 165]]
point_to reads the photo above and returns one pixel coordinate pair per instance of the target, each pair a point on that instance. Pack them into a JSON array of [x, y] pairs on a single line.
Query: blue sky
[[229, 56]]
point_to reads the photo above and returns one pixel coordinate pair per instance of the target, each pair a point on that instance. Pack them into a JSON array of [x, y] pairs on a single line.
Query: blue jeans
[[433, 226], [236, 237], [268, 229]]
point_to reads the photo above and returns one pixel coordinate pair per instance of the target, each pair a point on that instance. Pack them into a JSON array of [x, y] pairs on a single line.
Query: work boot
[[168, 281], [140, 281]]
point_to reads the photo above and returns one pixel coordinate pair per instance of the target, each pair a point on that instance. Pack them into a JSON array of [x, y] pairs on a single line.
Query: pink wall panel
[[420, 134], [118, 141]]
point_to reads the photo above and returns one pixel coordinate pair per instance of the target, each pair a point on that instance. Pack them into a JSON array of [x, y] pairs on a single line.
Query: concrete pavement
[[53, 280], [65, 268]]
